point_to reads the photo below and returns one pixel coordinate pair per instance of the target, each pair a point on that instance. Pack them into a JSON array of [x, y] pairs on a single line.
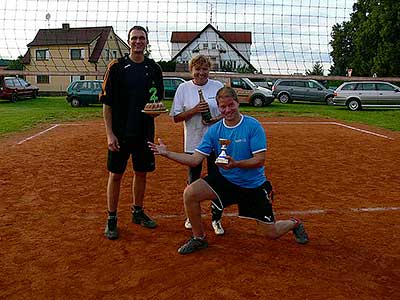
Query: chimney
[[65, 26]]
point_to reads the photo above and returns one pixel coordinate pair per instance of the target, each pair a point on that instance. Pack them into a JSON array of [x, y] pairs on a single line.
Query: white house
[[222, 47]]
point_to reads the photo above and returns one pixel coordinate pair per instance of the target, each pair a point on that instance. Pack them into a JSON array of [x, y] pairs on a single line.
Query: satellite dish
[[48, 16]]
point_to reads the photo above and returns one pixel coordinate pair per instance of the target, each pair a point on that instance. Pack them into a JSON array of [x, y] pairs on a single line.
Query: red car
[[13, 88]]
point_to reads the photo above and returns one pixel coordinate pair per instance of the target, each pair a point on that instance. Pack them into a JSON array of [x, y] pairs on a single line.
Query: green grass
[[379, 117], [31, 113]]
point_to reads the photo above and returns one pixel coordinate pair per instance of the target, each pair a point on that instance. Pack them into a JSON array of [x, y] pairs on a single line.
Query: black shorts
[[142, 157], [252, 203]]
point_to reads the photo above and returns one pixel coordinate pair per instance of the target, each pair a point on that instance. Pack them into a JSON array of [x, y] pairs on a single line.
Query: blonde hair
[[199, 60], [226, 92]]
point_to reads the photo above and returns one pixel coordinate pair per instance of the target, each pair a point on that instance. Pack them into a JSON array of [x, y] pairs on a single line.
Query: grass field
[[28, 114]]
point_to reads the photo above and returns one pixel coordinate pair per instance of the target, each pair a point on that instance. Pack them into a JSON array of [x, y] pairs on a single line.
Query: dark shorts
[[194, 173], [252, 203], [142, 157]]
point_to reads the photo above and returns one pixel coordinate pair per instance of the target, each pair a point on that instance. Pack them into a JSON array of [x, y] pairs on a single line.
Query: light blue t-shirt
[[247, 138]]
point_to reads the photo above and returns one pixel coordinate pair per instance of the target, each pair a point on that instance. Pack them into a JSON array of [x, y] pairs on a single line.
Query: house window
[[106, 54], [43, 54], [77, 54], [43, 79], [115, 54], [77, 77], [205, 45], [213, 46]]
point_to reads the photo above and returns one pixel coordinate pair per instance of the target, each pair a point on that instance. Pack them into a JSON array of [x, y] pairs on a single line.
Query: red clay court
[[342, 179]]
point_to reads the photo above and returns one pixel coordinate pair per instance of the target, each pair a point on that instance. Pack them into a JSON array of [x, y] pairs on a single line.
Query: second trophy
[[222, 159]]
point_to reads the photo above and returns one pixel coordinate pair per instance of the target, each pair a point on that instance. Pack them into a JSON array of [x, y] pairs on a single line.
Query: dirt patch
[[343, 183]]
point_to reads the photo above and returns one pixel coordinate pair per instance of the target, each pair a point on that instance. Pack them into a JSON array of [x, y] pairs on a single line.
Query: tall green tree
[[368, 43], [317, 69]]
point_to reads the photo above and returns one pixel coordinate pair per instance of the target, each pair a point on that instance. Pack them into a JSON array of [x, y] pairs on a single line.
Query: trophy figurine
[[221, 159]]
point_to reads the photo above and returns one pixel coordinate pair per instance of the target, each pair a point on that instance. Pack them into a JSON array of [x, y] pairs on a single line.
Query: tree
[[228, 66], [317, 69], [167, 66], [16, 64], [368, 43]]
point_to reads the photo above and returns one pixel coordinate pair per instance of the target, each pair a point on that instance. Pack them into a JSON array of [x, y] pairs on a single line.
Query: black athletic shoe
[[299, 232], [139, 217], [111, 231], [193, 244]]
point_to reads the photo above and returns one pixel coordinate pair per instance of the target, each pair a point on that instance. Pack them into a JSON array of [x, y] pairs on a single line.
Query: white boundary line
[[299, 212], [37, 134], [331, 123], [46, 130], [288, 123]]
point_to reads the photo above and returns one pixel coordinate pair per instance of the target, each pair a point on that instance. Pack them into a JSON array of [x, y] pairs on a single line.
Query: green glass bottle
[[206, 115]]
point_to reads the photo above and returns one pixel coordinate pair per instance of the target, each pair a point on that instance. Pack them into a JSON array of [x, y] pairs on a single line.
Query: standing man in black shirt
[[129, 83]]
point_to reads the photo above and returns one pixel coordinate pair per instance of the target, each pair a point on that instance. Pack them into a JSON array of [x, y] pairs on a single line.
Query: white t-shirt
[[187, 97]]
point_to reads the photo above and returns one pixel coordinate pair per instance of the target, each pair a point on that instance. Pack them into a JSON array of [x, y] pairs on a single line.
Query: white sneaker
[[217, 225], [188, 225]]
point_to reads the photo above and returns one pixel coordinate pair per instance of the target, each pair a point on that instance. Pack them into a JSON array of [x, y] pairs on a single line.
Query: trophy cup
[[221, 159]]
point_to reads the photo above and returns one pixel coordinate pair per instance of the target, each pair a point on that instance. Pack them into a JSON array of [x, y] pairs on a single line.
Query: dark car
[[14, 88], [83, 92], [359, 94], [170, 86], [289, 90]]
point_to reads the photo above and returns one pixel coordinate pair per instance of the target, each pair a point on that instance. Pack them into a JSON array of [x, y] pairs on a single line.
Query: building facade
[[224, 48], [59, 56]]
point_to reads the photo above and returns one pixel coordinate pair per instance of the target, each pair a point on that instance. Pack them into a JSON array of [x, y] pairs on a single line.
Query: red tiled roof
[[231, 36]]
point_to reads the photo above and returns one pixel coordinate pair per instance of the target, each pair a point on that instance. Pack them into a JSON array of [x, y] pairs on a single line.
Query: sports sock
[[216, 214], [112, 213], [137, 208]]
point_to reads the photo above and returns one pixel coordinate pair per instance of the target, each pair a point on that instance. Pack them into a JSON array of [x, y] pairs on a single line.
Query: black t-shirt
[[133, 80], [126, 89]]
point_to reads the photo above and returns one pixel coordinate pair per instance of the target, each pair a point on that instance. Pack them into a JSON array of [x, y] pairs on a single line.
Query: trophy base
[[222, 160]]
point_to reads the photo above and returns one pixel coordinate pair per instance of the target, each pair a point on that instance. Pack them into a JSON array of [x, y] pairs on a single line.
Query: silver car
[[289, 90], [359, 94]]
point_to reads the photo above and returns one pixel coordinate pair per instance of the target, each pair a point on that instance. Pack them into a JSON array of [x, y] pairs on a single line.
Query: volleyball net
[[282, 37]]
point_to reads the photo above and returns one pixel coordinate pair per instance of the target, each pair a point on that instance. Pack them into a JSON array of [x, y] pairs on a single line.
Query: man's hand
[[112, 143], [203, 106], [160, 149]]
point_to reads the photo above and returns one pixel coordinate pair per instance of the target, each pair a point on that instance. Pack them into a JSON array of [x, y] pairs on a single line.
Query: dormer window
[[77, 54], [42, 54]]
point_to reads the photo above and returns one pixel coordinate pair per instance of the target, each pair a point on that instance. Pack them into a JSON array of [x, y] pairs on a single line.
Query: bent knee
[[140, 174], [115, 176], [188, 193]]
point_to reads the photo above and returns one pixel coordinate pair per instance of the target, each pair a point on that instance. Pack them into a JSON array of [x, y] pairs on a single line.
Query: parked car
[[13, 88], [262, 82], [289, 90], [356, 95], [248, 92], [83, 92], [170, 86]]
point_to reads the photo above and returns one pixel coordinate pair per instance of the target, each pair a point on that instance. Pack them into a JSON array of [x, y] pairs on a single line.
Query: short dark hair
[[227, 91], [137, 27]]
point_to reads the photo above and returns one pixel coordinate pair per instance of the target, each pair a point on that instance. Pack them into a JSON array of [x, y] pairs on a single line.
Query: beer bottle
[[206, 115]]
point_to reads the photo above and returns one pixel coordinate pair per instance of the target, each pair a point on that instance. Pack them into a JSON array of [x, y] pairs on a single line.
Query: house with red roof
[[222, 47], [59, 56]]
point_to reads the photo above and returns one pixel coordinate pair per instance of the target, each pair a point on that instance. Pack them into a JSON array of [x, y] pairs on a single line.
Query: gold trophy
[[221, 159]]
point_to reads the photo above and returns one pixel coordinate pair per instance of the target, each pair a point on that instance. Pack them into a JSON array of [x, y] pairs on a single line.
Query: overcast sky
[[288, 35]]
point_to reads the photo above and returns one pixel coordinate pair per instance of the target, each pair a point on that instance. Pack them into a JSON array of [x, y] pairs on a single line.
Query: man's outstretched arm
[[191, 160]]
